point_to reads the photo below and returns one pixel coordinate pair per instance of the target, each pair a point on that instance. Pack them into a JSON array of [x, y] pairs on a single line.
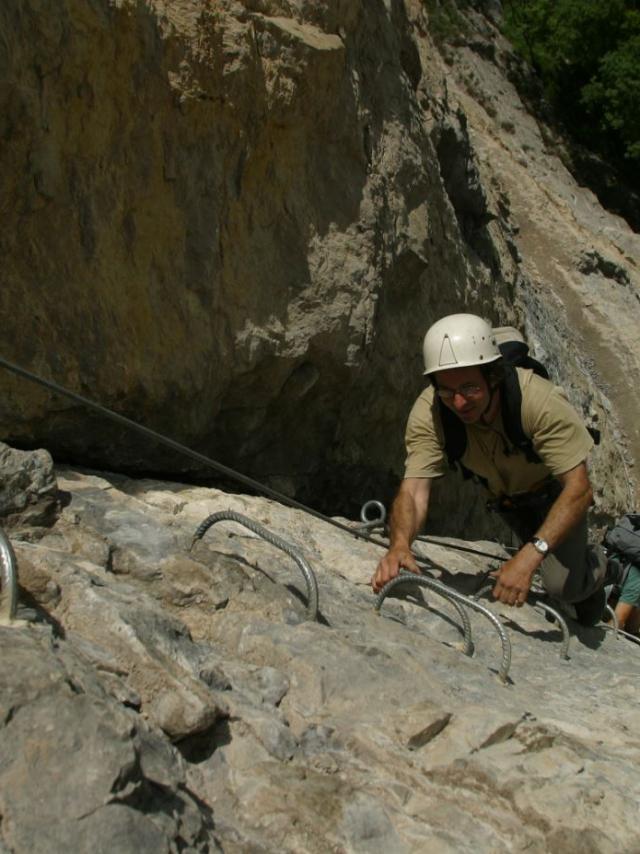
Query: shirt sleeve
[[557, 432], [424, 440]]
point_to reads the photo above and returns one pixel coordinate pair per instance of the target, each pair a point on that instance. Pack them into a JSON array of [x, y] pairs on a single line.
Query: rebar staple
[[542, 608], [465, 601], [468, 648], [614, 618], [8, 581], [275, 540]]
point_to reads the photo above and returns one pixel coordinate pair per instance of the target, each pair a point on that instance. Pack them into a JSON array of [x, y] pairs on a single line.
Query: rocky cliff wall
[[234, 221]]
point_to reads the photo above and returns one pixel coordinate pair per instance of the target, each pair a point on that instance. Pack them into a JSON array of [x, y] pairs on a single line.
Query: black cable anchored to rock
[[195, 455], [220, 467]]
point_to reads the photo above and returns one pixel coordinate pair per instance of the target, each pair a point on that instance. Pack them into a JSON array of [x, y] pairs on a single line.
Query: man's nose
[[459, 400]]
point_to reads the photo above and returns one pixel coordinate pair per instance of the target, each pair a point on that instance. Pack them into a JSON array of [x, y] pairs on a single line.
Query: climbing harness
[[453, 595], [274, 539], [8, 581], [545, 609]]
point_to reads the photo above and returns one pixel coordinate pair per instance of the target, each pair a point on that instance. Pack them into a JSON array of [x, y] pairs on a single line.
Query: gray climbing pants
[[576, 568]]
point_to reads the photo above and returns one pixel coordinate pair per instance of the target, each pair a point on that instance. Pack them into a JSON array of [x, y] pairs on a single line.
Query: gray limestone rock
[[233, 222], [28, 488], [79, 772], [162, 718]]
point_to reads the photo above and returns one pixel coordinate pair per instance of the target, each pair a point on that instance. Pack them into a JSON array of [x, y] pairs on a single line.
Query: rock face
[[80, 770], [234, 222], [28, 487], [170, 698]]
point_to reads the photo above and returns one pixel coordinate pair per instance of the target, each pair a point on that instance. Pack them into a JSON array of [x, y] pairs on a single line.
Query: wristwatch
[[540, 545]]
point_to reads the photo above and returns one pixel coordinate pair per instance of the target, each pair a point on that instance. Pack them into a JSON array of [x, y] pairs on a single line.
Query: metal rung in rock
[[542, 608], [8, 581], [370, 523], [275, 540], [468, 648], [614, 619], [458, 598]]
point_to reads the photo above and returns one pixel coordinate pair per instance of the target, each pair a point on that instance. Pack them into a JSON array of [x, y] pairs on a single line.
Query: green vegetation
[[587, 55], [446, 22]]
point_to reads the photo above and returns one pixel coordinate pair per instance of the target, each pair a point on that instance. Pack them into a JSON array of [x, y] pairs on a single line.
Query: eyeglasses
[[467, 390]]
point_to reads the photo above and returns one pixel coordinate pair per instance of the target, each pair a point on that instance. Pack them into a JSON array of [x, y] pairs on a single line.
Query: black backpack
[[622, 546], [515, 353]]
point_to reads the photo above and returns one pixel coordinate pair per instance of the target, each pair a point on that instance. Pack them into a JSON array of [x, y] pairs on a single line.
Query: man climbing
[[539, 484]]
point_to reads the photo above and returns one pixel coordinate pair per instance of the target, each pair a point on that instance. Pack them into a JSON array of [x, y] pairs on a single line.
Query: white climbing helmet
[[459, 341]]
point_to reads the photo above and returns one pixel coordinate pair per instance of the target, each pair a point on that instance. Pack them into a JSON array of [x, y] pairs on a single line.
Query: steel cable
[[195, 455], [628, 635], [620, 633], [211, 463], [379, 521]]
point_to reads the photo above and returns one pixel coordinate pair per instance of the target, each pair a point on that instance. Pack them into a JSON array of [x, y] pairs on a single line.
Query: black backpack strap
[[595, 434], [536, 366], [511, 405], [516, 353]]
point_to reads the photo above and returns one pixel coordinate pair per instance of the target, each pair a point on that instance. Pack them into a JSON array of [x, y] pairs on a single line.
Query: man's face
[[465, 391]]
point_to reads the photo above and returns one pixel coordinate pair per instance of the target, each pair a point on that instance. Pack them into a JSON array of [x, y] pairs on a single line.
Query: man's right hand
[[408, 515], [390, 565]]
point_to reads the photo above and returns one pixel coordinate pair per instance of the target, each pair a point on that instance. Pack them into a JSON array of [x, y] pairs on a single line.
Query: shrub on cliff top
[[587, 54]]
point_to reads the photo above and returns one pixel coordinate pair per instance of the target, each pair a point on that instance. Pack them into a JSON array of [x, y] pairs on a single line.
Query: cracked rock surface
[[177, 699]]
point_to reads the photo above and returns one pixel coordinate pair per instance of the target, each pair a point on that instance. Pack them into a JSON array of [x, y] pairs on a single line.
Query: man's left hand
[[513, 579]]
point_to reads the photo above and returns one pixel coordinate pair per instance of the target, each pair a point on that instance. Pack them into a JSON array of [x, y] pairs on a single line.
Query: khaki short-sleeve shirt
[[557, 432]]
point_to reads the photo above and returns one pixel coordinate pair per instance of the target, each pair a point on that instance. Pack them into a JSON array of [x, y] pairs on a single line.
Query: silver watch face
[[540, 545]]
